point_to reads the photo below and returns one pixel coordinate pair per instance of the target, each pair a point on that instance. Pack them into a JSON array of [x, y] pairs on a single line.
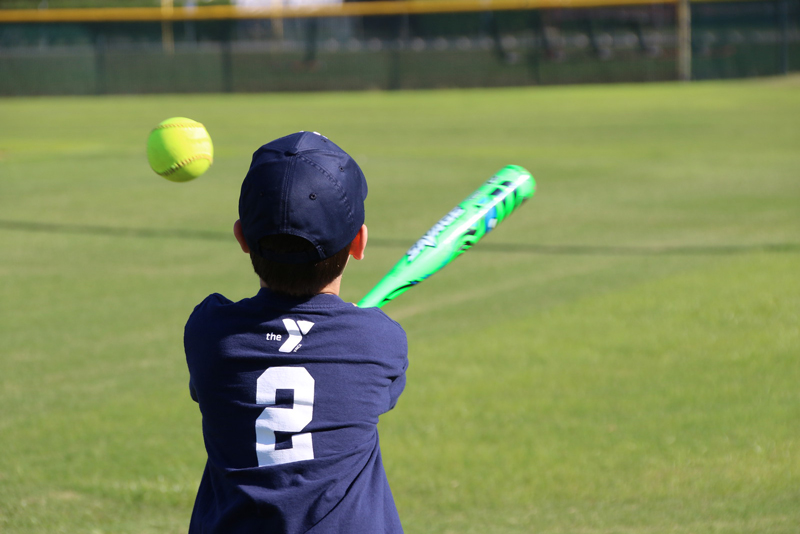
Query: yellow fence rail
[[382, 7]]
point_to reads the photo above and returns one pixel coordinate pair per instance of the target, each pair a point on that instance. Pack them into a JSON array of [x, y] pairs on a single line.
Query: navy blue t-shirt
[[290, 391]]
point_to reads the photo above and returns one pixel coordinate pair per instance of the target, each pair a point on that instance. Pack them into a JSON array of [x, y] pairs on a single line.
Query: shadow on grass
[[522, 248]]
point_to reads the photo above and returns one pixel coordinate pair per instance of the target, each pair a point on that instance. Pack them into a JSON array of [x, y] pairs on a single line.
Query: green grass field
[[620, 356]]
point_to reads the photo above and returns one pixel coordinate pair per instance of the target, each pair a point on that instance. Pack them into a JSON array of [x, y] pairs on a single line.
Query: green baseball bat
[[455, 233]]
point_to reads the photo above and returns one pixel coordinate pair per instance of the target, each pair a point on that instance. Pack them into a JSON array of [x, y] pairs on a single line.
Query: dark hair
[[298, 280]]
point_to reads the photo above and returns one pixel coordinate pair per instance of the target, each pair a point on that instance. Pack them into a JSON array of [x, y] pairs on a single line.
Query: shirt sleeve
[[396, 389], [397, 345], [192, 391]]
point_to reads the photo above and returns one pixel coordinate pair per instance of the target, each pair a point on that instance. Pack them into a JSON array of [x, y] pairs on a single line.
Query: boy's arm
[[192, 391], [396, 389], [399, 383]]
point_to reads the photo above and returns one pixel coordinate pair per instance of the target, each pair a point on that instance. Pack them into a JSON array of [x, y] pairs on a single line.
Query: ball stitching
[[184, 162]]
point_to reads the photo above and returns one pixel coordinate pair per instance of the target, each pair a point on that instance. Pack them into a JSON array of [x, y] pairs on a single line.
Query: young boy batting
[[291, 382]]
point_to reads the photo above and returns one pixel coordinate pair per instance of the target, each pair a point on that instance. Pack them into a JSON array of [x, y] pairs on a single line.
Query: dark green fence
[[504, 48]]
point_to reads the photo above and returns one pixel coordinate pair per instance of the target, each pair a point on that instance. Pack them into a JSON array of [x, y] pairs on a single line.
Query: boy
[[291, 382]]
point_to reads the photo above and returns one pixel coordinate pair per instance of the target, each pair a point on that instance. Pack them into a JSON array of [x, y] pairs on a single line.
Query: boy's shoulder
[[265, 304], [208, 307], [272, 328], [214, 299]]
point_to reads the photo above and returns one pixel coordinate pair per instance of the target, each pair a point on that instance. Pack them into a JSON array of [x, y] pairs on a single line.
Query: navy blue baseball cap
[[306, 186]]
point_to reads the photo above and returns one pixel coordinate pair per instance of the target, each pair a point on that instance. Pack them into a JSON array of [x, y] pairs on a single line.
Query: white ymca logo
[[296, 330]]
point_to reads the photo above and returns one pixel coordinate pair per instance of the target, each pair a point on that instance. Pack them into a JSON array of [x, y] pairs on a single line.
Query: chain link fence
[[409, 51]]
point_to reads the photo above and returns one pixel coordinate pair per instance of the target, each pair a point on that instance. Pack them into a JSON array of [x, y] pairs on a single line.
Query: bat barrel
[[455, 233]]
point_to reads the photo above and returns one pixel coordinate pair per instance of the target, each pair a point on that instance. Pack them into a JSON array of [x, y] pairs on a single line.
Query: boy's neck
[[331, 289]]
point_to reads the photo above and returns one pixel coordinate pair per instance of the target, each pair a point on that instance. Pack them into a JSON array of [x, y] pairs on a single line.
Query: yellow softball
[[179, 149]]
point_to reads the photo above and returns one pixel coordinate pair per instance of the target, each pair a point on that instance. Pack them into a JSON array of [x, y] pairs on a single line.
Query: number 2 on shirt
[[290, 419]]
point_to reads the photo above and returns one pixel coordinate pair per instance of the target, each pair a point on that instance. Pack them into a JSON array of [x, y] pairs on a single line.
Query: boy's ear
[[358, 244], [239, 234]]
